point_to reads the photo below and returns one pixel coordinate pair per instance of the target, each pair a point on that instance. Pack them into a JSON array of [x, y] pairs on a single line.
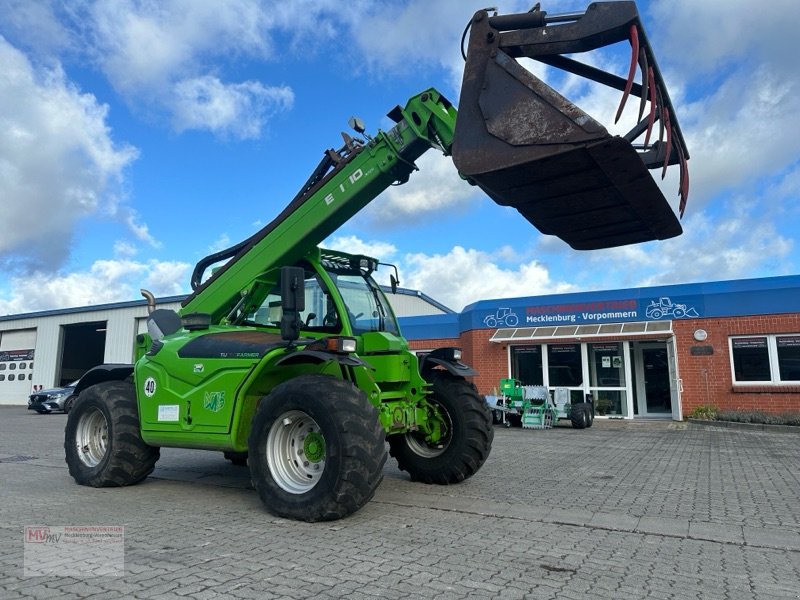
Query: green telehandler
[[289, 358]]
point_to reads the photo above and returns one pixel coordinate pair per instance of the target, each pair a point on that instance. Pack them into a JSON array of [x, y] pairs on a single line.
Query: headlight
[[341, 345]]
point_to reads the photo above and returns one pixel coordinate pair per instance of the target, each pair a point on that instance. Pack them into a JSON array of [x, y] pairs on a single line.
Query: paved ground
[[623, 510]]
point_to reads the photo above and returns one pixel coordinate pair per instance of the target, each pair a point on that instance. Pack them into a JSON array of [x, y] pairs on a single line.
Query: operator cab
[[367, 308]]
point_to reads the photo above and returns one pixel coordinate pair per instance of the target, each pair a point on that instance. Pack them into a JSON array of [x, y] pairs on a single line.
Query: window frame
[[772, 354]]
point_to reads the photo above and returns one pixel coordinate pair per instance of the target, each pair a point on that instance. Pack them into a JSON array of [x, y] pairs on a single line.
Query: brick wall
[[707, 380]]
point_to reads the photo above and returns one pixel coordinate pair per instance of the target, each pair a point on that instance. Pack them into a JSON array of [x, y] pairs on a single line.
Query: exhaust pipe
[[151, 300]]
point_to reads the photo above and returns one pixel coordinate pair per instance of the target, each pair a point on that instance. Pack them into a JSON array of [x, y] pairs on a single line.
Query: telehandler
[[289, 357]]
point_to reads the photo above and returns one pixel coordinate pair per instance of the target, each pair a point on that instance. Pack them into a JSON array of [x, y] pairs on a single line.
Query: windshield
[[367, 307], [319, 314]]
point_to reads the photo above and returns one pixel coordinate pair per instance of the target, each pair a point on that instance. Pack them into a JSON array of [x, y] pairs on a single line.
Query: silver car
[[61, 398]]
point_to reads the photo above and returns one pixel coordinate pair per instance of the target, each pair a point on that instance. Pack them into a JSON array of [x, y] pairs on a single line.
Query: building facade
[[657, 352]]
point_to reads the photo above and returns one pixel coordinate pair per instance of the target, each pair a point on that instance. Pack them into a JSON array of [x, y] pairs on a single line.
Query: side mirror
[[394, 282], [293, 301]]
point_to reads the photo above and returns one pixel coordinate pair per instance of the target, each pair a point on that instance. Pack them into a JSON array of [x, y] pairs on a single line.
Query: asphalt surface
[[622, 510]]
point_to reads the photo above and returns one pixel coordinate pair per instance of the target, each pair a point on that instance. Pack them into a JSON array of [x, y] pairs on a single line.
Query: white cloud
[[123, 249], [239, 109], [435, 188], [105, 281], [710, 249], [58, 162], [140, 230], [187, 42], [466, 275], [142, 46], [383, 251]]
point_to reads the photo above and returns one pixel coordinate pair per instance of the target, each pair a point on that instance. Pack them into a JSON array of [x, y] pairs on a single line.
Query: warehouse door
[[83, 347], [16, 365]]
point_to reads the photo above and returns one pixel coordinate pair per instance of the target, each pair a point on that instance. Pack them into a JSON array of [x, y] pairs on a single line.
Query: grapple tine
[[631, 70], [668, 130], [683, 188], [660, 116], [645, 81], [651, 119]]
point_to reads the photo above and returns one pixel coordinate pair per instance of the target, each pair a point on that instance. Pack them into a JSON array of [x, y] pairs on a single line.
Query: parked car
[[60, 398]]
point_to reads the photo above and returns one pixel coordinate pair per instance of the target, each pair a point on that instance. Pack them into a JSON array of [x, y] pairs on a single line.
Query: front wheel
[[102, 442], [467, 439], [316, 449]]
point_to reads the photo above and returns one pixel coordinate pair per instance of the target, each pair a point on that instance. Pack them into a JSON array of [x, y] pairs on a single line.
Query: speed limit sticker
[[149, 387]]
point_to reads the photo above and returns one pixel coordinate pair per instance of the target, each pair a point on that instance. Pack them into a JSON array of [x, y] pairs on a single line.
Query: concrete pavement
[[622, 510]]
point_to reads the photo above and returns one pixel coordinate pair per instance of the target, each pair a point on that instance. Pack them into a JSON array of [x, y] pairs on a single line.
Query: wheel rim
[[296, 452], [420, 447], [92, 437]]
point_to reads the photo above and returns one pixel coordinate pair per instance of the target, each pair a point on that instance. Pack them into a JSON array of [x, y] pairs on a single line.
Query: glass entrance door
[[654, 397]]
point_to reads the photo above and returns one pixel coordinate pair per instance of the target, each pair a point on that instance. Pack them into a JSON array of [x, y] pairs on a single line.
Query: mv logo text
[[40, 535]]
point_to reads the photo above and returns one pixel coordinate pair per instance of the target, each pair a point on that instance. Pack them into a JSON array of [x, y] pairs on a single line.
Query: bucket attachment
[[529, 147]]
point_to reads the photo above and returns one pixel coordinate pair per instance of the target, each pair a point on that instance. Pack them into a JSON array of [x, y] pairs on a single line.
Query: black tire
[[237, 458], [102, 442], [467, 444], [42, 412], [342, 439], [579, 416], [589, 414], [69, 403]]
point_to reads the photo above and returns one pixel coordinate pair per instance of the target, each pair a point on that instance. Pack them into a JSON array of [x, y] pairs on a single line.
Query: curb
[[752, 427]]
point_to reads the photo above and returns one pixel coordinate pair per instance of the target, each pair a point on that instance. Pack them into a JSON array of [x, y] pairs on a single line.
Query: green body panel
[[200, 388]]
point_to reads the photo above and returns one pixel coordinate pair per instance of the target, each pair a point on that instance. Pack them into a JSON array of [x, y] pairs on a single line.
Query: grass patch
[[712, 413]]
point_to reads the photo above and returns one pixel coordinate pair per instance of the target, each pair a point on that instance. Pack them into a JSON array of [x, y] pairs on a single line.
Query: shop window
[[788, 349], [767, 359], [526, 364], [564, 365], [606, 365]]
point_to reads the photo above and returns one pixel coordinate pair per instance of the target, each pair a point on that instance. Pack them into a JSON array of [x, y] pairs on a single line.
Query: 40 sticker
[[149, 387]]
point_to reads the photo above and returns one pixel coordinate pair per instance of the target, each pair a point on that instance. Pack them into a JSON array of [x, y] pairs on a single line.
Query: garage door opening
[[83, 347]]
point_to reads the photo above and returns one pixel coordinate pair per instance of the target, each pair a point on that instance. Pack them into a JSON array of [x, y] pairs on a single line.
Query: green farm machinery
[[533, 406], [289, 359]]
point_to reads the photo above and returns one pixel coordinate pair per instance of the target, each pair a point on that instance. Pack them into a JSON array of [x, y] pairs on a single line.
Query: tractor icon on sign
[[504, 317], [666, 308]]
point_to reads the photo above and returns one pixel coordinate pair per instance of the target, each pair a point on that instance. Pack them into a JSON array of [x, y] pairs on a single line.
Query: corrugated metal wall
[[45, 335]]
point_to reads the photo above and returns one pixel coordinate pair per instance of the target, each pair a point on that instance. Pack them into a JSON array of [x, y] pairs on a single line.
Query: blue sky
[[137, 137]]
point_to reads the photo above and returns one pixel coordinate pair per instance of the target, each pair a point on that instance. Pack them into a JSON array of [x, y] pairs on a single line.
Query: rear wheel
[[579, 416], [317, 449], [467, 440], [589, 414], [102, 442]]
